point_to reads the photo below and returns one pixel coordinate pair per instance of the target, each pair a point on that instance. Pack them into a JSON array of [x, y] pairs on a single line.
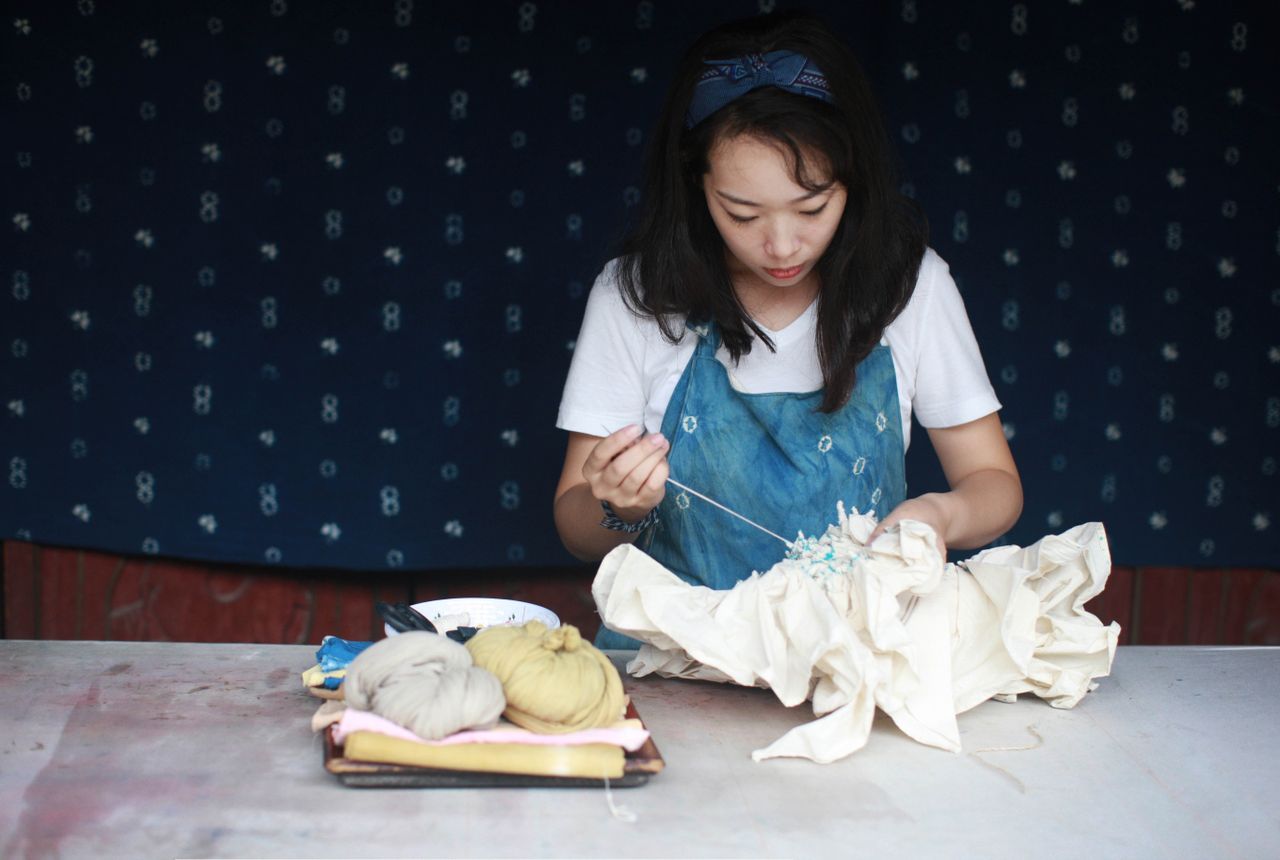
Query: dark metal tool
[[402, 617]]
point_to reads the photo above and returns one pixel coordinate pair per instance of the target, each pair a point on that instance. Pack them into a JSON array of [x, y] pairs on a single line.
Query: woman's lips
[[784, 274]]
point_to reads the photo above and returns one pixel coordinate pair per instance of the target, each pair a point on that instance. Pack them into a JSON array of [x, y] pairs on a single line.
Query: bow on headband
[[726, 80]]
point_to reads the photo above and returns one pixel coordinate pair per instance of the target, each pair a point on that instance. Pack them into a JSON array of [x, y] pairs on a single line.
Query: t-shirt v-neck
[[806, 321], [793, 358]]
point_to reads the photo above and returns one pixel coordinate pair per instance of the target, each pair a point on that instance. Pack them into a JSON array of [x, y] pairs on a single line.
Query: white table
[[162, 749]]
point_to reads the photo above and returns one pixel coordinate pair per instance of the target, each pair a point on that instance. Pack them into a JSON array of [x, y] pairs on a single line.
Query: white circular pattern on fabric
[[1126, 98], [18, 473], [268, 501], [689, 423]]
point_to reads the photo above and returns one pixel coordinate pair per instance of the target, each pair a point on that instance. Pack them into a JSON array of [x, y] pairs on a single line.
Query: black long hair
[[673, 263]]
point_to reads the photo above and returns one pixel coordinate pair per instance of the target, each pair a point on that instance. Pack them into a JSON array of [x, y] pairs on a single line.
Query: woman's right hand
[[628, 470]]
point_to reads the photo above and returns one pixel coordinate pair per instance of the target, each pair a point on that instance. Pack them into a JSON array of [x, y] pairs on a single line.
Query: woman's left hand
[[930, 509], [986, 494]]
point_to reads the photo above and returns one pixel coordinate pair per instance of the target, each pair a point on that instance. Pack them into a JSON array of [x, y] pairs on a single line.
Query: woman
[[777, 316]]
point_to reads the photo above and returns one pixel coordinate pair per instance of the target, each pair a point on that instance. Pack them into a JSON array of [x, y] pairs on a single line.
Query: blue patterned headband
[[726, 80]]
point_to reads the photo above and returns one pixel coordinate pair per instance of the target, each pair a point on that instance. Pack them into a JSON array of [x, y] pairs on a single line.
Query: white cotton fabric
[[888, 626], [624, 372]]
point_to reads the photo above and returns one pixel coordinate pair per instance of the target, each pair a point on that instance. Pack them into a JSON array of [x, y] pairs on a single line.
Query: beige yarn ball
[[554, 681], [424, 682]]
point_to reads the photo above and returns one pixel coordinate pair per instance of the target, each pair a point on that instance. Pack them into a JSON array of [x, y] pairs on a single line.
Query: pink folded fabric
[[628, 737]]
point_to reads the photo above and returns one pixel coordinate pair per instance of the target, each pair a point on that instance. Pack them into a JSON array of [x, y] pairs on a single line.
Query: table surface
[[166, 749]]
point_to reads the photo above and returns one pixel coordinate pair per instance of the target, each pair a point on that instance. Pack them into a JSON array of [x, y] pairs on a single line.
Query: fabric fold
[[851, 627]]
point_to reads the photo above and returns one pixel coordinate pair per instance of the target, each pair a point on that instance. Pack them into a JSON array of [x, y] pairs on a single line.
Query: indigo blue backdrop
[[298, 283]]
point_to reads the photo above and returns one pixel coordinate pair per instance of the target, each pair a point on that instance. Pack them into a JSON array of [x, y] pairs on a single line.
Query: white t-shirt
[[624, 371]]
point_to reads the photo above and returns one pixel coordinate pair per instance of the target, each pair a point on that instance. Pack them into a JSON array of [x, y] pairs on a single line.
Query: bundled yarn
[[554, 681], [424, 682]]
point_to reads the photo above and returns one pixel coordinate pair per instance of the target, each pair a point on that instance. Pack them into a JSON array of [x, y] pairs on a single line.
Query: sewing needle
[[644, 431], [728, 511]]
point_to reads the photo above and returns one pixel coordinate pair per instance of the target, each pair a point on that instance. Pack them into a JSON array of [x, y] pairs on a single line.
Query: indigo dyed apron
[[775, 459]]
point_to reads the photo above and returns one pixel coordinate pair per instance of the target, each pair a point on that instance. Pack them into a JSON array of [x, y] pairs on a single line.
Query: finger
[[610, 483], [634, 465], [640, 479], [657, 480], [622, 440], [884, 525], [610, 447]]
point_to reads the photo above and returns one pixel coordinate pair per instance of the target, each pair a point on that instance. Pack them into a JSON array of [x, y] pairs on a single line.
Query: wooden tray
[[637, 767]]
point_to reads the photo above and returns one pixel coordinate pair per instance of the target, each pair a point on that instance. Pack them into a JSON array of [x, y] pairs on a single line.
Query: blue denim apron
[[773, 458]]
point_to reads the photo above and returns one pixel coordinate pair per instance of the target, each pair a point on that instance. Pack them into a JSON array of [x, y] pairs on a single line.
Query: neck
[[772, 306]]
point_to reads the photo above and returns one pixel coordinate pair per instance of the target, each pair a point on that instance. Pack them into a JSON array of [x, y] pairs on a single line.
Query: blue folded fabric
[[336, 653]]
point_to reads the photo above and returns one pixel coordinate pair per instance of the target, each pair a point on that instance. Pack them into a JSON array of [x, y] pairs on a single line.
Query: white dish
[[485, 611]]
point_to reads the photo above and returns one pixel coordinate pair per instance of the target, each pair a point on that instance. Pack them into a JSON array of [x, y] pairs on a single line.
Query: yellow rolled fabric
[[594, 761], [554, 681]]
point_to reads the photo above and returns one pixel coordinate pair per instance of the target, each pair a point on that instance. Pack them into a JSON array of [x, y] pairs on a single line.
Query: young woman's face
[[775, 229]]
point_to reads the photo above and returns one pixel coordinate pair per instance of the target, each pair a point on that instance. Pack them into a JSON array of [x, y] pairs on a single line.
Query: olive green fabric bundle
[[554, 680]]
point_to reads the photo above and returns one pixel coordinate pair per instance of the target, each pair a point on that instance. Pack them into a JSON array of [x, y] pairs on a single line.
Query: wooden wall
[[52, 593]]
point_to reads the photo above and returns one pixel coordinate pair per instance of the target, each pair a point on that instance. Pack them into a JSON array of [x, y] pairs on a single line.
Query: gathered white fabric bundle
[[890, 625], [426, 683]]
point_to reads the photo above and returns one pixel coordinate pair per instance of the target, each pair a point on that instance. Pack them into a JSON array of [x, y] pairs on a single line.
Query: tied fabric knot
[[726, 80], [785, 68], [564, 638]]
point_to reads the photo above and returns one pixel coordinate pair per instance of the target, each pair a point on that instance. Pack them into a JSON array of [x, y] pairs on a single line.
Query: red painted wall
[[52, 593]]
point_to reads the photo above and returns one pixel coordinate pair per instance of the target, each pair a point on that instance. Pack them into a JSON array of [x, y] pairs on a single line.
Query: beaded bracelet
[[613, 521]]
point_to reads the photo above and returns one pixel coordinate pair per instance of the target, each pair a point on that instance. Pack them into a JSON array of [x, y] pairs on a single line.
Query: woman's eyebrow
[[741, 202]]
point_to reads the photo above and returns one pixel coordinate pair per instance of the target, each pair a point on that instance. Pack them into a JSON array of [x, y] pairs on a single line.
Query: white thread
[[620, 812], [1030, 729], [729, 511]]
